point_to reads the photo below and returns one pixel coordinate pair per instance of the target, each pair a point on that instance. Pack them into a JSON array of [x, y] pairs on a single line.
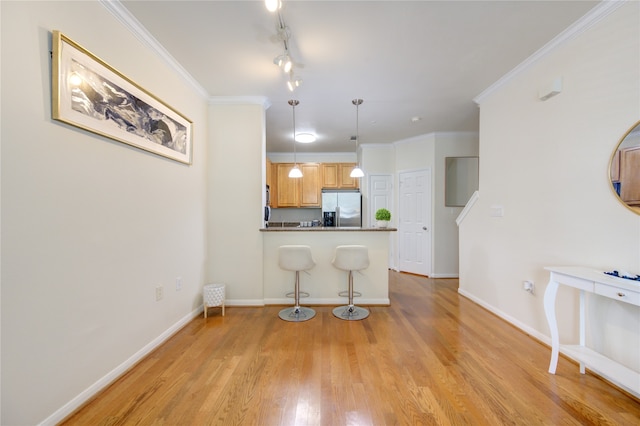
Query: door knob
[[424, 228]]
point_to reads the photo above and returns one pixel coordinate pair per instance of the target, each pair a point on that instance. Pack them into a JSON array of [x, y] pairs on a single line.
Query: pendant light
[[272, 5], [295, 172], [357, 171]]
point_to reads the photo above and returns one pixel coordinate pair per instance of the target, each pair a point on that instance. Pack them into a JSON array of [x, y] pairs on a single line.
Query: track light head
[[293, 83], [286, 67]]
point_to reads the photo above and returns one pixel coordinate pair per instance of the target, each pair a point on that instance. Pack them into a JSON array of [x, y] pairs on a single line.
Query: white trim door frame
[[415, 222]]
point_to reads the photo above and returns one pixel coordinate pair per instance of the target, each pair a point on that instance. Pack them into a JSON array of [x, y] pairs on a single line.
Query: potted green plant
[[383, 216]]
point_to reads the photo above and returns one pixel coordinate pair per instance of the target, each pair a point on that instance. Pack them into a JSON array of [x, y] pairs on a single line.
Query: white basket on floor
[[213, 296]]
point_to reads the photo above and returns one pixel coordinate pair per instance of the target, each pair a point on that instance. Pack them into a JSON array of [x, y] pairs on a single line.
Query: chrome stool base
[[350, 313], [297, 314]]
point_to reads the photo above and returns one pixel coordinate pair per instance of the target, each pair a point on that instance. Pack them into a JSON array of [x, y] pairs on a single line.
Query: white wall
[[237, 180], [445, 229], [547, 164], [375, 159], [90, 226], [429, 151]]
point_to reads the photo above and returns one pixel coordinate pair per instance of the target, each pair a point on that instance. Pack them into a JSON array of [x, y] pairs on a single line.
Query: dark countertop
[[323, 229]]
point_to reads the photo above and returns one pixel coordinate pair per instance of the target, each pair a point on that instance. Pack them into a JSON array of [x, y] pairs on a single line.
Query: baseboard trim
[[245, 302], [71, 406], [453, 275], [511, 320], [312, 301]]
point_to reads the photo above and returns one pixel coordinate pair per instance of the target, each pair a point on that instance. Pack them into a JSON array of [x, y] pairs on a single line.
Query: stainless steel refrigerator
[[347, 205]]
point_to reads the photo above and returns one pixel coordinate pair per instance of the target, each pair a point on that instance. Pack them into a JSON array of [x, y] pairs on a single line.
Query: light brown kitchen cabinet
[[298, 192], [330, 175], [310, 190], [269, 178], [337, 176], [307, 190], [345, 181], [630, 175], [288, 189]]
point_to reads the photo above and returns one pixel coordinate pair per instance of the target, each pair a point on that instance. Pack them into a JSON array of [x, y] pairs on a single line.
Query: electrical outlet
[[159, 293], [178, 283], [528, 286]]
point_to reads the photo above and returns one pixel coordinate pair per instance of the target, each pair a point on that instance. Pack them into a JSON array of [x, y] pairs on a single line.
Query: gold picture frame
[[90, 94]]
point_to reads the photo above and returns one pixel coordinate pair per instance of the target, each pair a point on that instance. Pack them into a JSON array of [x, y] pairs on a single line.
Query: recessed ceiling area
[[416, 64]]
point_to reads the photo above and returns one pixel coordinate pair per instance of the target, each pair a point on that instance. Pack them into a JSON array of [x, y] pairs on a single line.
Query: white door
[[414, 225]]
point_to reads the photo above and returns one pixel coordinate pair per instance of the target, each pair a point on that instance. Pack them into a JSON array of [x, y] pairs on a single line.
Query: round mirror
[[624, 169]]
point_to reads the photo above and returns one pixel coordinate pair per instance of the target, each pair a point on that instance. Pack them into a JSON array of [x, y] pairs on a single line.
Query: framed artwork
[[92, 95]]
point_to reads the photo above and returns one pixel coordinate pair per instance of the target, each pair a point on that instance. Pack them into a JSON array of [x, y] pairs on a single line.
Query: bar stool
[[296, 258], [351, 258]]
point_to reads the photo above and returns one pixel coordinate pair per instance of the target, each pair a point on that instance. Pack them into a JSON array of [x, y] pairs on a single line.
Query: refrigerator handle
[[338, 216]]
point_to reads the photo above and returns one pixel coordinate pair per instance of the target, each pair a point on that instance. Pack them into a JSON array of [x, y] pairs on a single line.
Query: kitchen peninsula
[[324, 281]]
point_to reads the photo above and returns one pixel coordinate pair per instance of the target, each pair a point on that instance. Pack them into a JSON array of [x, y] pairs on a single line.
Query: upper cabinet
[[329, 175], [310, 190], [296, 192], [269, 179], [337, 176], [287, 189], [307, 190]]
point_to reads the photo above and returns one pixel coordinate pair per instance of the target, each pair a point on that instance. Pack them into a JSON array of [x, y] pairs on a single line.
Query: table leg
[[550, 312]]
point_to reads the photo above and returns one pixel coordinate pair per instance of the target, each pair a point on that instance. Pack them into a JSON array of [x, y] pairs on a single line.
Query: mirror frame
[[469, 186], [614, 165]]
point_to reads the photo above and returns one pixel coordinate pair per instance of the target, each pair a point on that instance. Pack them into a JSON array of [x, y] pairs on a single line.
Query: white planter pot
[[382, 223]]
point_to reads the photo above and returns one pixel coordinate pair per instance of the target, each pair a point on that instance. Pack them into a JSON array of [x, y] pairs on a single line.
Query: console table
[[597, 282]]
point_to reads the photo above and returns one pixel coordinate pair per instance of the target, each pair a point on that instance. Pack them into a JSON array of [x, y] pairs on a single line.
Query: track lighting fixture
[[293, 83], [283, 61], [286, 67]]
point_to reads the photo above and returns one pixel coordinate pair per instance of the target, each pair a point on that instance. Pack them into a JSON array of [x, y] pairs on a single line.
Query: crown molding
[[592, 17], [240, 100], [413, 139], [132, 24]]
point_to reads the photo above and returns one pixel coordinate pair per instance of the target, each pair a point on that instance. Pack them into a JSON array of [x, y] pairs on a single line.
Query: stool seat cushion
[[295, 258], [351, 257]]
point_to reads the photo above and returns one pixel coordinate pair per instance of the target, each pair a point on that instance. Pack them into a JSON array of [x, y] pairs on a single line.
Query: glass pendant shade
[[295, 172], [357, 172], [272, 5]]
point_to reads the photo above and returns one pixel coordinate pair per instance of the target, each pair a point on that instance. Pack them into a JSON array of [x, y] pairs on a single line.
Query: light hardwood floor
[[431, 358]]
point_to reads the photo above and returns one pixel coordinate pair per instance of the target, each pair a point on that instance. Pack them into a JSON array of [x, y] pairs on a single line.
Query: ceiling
[[405, 59]]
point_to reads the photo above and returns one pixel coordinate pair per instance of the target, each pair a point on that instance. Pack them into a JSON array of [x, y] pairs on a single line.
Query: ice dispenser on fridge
[[342, 208], [329, 219]]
